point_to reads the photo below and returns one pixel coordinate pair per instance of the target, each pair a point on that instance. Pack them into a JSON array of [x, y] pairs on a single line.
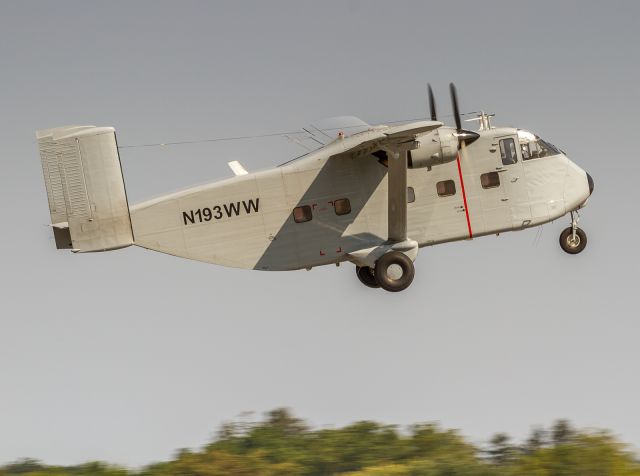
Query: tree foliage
[[283, 445]]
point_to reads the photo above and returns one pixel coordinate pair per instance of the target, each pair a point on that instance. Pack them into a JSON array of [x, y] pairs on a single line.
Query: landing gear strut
[[573, 239]]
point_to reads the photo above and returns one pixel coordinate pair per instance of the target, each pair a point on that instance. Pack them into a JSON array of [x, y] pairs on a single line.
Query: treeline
[[282, 445]]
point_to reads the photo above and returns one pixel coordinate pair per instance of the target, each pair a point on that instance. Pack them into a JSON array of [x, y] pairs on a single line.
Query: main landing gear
[[573, 239], [393, 272], [367, 277]]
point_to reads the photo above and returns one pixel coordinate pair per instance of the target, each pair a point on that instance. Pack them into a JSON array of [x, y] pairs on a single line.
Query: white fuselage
[[248, 221]]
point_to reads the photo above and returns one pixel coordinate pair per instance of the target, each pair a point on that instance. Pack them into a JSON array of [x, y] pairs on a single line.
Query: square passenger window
[[411, 195], [446, 188], [302, 214], [490, 180], [342, 206]]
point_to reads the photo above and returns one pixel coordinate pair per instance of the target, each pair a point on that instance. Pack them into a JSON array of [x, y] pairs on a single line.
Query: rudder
[[85, 188]]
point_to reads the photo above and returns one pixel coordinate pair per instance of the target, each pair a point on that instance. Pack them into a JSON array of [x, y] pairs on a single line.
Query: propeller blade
[[465, 137], [432, 104], [454, 103]]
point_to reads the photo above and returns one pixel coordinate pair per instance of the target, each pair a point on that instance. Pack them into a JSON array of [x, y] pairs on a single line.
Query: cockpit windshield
[[535, 148]]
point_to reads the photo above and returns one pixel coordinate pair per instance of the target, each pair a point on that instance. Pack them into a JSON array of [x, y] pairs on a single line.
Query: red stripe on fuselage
[[464, 198]]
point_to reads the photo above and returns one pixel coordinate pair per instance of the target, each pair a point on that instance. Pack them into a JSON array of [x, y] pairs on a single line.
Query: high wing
[[325, 130], [396, 141], [387, 138], [315, 136]]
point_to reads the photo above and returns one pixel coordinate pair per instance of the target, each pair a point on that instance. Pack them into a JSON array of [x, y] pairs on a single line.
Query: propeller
[[432, 104], [465, 137]]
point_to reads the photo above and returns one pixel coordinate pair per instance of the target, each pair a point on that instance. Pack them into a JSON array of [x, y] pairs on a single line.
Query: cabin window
[[490, 180], [342, 206], [302, 214], [508, 151], [411, 195], [446, 188]]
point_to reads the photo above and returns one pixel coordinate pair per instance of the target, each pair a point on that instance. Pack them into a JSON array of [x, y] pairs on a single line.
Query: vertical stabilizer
[[85, 188]]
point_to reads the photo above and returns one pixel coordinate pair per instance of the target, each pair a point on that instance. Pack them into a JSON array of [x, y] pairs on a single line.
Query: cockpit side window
[[508, 151]]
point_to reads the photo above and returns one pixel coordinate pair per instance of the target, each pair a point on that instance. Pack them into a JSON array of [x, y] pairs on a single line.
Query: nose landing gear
[[573, 239]]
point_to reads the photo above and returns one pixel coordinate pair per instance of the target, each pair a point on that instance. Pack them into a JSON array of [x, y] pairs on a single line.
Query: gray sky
[[497, 334]]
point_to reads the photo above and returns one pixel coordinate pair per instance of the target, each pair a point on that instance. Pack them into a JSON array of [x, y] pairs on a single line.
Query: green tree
[[561, 432], [537, 440], [283, 445], [501, 451]]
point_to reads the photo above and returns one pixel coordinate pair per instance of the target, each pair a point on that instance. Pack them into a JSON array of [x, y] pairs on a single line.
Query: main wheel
[[394, 271], [366, 277], [570, 244]]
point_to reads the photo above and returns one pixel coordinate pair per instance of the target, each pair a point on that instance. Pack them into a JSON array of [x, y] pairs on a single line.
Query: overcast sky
[[128, 355]]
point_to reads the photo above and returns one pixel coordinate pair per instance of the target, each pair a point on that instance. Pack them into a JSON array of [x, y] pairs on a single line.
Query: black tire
[[366, 277], [387, 282], [568, 246]]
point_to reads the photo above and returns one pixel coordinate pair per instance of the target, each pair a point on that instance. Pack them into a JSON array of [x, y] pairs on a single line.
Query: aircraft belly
[[236, 243]]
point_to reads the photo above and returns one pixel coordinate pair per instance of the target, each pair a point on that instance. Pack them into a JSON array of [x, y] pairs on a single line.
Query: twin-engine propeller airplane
[[373, 198]]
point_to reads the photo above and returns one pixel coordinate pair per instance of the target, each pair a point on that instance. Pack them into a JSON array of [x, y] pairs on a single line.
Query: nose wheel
[[573, 239]]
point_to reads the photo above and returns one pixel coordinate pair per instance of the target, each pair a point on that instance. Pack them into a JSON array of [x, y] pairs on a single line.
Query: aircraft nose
[[590, 180]]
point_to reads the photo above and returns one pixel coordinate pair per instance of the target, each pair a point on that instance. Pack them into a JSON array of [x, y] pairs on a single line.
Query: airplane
[[373, 197]]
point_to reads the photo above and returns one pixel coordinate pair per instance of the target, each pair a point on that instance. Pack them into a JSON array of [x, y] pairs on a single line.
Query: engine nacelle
[[436, 148]]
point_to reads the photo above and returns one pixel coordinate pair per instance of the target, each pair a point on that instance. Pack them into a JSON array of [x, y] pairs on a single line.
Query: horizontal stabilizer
[[237, 168]]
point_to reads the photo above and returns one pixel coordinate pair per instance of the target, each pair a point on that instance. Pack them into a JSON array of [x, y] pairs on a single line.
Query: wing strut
[[397, 196], [397, 190]]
